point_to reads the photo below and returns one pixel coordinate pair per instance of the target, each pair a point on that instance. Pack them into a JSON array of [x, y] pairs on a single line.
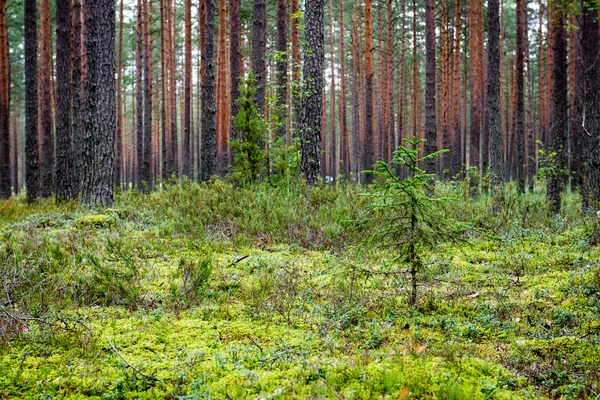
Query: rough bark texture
[[344, 142], [208, 151], [296, 106], [173, 87], [310, 141], [235, 61], [146, 171], [476, 79], [493, 114], [368, 156], [356, 95], [186, 142], [119, 131], [31, 108], [139, 96], [5, 190], [331, 149], [223, 106], [65, 177], [259, 27], [430, 79], [100, 118], [520, 103], [281, 68], [590, 48], [77, 92], [456, 140], [45, 99], [560, 109]]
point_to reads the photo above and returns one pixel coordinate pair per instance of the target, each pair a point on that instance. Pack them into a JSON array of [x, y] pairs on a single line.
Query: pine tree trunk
[[520, 103], [65, 177], [235, 60], [259, 19], [430, 78], [147, 60], [139, 97], [590, 139], [173, 87], [475, 35], [5, 189], [281, 68], [332, 170], [560, 109], [31, 102], [222, 104], [494, 117], [100, 118], [208, 151], [186, 143], [119, 132], [368, 155], [77, 92], [457, 144], [47, 156], [296, 106], [356, 95], [344, 142], [310, 141]]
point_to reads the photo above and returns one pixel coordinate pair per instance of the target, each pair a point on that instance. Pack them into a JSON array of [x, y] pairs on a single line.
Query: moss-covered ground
[[213, 291]]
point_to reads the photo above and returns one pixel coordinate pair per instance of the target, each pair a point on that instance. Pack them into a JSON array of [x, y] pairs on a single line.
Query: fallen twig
[[129, 364]]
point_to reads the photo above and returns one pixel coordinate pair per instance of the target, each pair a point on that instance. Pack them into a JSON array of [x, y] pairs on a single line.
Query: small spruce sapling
[[249, 156], [405, 217]]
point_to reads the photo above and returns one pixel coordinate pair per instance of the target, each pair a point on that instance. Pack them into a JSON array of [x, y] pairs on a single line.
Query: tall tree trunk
[[530, 127], [310, 142], [222, 104], [47, 156], [15, 147], [281, 68], [296, 105], [389, 94], [100, 118], [356, 95], [368, 155], [147, 59], [259, 27], [173, 86], [167, 157], [31, 101], [235, 60], [77, 92], [475, 37], [119, 132], [494, 118], [65, 177], [139, 97], [520, 102], [5, 189], [430, 121], [590, 140], [332, 170], [560, 108], [457, 144], [208, 151], [344, 142], [186, 143]]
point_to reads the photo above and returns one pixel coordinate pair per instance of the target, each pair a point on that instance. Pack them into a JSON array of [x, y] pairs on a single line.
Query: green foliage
[[249, 154], [405, 218], [195, 274]]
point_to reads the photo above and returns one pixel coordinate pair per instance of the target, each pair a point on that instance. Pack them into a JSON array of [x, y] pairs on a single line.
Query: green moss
[[93, 221]]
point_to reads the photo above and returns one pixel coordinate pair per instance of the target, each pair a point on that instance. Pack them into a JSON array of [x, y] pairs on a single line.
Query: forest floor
[[212, 291]]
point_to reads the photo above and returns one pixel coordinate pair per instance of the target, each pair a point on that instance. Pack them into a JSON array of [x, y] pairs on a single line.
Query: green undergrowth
[[215, 291]]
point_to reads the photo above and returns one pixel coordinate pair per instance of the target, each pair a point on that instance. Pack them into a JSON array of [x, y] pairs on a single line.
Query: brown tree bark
[[476, 83], [344, 142], [31, 101], [45, 99], [208, 151], [494, 113], [456, 137], [148, 108], [186, 143], [310, 141], [560, 108], [281, 69], [368, 155], [520, 102], [139, 54], [5, 168], [332, 159], [65, 177], [77, 90], [173, 87], [119, 132], [222, 103], [259, 31], [100, 117], [430, 81], [355, 155], [235, 60]]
